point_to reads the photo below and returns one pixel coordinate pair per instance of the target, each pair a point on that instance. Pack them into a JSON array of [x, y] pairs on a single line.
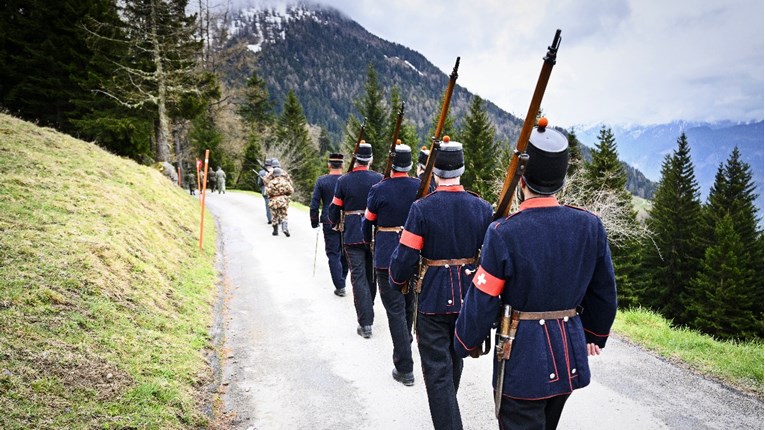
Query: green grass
[[739, 364], [105, 297]]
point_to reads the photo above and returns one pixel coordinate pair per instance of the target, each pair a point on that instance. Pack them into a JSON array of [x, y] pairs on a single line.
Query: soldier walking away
[[388, 205], [322, 195], [548, 267], [265, 171], [220, 180], [422, 161], [191, 181], [351, 198], [211, 180], [443, 234], [279, 192]]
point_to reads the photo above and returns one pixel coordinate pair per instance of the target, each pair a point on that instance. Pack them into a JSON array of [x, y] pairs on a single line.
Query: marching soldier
[[546, 261], [279, 191], [443, 232], [191, 181], [388, 205], [351, 198], [220, 180], [263, 185], [322, 195]]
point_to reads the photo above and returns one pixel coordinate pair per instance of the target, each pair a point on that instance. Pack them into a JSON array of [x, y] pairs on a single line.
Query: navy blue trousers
[[362, 280], [515, 414], [399, 308], [333, 247], [441, 368]]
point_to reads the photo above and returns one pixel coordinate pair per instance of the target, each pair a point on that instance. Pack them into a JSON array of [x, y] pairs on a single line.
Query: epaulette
[[473, 193]]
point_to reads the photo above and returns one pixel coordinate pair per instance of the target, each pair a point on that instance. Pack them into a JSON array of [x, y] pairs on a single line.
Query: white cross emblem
[[481, 279]]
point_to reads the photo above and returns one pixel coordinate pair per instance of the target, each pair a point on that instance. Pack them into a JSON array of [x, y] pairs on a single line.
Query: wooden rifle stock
[[356, 148], [436, 143], [518, 162], [392, 153]]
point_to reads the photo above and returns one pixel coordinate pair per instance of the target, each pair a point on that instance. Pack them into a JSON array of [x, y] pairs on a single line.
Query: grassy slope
[[105, 298]]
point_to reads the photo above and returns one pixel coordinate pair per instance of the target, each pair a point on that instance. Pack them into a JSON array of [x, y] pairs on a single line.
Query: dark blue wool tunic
[[388, 205], [323, 192], [545, 257], [351, 195], [449, 223]]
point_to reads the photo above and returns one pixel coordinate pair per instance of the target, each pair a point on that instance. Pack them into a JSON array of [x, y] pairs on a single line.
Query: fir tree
[[671, 257], [574, 151], [481, 153], [733, 194], [298, 156], [605, 172], [721, 287], [256, 108], [372, 108]]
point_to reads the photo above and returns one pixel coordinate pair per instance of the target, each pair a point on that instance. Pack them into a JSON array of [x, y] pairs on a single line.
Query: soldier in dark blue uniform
[[422, 161], [323, 192], [387, 208], [547, 261], [444, 231], [351, 198]]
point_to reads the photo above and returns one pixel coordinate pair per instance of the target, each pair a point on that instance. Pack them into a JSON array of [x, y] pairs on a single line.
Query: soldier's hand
[[314, 225], [475, 353], [593, 349]]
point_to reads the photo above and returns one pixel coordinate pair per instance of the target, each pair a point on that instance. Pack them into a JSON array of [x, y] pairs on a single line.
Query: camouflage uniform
[[191, 181], [279, 189], [220, 180]]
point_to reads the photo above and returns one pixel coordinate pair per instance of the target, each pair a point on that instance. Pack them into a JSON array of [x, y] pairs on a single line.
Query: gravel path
[[292, 358]]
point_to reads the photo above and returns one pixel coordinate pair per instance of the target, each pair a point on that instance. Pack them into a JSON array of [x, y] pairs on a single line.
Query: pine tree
[[671, 257], [721, 287], [256, 108], [574, 151], [157, 69], [481, 153], [205, 135], [325, 143], [733, 194], [605, 172], [298, 156], [372, 108]]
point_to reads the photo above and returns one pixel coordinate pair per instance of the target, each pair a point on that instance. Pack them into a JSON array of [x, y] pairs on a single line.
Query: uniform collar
[[398, 174], [357, 168], [336, 172], [453, 188], [539, 202]]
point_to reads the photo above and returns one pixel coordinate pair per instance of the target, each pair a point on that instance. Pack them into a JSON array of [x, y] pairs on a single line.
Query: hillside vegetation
[[105, 297]]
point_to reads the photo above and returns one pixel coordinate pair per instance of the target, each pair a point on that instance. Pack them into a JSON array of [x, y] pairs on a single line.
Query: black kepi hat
[[422, 158], [402, 160], [548, 160], [450, 161], [365, 152]]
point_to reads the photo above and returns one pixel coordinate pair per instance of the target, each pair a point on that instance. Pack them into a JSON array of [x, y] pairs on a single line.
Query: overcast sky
[[620, 61]]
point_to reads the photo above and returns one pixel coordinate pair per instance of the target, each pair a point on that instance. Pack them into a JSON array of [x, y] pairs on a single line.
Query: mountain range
[[644, 147], [323, 56]]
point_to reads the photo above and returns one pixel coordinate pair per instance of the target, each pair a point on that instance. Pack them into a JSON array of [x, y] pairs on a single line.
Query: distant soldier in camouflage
[[191, 181], [220, 180], [279, 189]]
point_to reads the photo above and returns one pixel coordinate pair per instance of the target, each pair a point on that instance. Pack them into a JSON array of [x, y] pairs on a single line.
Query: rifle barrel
[[507, 194], [435, 144]]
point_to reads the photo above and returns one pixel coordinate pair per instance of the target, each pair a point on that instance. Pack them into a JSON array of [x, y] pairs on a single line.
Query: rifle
[[426, 177], [392, 153], [509, 321], [520, 158], [356, 148], [436, 141]]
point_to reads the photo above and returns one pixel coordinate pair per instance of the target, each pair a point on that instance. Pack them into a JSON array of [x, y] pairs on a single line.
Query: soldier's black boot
[[276, 230], [285, 229]]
